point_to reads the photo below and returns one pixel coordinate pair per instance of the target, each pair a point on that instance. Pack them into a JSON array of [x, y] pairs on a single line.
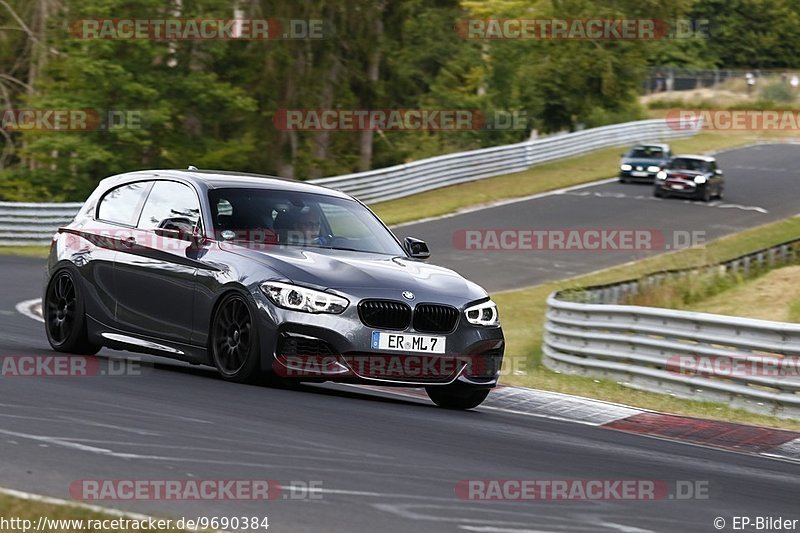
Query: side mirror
[[718, 172], [197, 238], [194, 237], [416, 248]]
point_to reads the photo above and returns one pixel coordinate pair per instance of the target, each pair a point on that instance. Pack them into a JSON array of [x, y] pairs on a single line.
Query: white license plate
[[677, 186], [403, 342], [639, 174]]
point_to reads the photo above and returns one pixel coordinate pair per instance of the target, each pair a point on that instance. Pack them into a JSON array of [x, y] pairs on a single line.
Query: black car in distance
[[691, 176]]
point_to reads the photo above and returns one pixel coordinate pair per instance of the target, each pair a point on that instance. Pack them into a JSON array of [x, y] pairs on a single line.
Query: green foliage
[[778, 92], [794, 311], [757, 105], [751, 33], [213, 103]]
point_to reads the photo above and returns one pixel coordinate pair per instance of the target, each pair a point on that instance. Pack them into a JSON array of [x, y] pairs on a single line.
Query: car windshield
[[685, 163], [295, 219], [646, 152]]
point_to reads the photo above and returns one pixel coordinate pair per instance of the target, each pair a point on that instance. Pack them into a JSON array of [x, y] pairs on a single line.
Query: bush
[[778, 91], [603, 117], [677, 103]]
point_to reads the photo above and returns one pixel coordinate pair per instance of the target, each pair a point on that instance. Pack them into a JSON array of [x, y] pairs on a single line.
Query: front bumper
[[635, 174], [686, 188], [323, 347]]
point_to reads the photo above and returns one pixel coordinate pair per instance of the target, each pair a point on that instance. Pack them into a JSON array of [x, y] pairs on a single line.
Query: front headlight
[[625, 167], [661, 175], [483, 314], [653, 168], [303, 299], [700, 180]]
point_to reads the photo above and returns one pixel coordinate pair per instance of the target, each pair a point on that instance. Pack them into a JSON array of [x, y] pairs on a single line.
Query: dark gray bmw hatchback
[[266, 278]]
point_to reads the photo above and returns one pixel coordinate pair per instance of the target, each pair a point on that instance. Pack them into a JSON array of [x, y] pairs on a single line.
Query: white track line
[[508, 201], [26, 309]]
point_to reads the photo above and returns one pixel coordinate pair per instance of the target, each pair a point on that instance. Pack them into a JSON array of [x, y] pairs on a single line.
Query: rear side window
[[122, 205], [171, 205]]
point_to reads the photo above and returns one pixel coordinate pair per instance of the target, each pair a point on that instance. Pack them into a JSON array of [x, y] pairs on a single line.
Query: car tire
[[233, 340], [657, 193], [705, 196], [623, 180], [720, 194], [64, 313], [460, 398]]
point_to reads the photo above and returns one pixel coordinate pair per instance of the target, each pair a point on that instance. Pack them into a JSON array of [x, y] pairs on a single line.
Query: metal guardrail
[[427, 174], [696, 355], [34, 224], [31, 224]]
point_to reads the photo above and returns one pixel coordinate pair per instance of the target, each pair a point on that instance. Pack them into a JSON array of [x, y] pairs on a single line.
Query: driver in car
[[306, 227]]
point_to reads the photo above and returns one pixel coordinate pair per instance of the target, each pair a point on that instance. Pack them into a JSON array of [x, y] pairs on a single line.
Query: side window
[[171, 206], [122, 205]]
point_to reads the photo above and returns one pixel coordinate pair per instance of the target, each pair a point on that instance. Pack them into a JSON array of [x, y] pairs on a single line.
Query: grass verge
[[594, 166], [25, 251], [766, 294], [522, 313], [92, 521]]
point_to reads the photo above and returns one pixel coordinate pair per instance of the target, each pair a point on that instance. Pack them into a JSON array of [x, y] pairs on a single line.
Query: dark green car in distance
[[643, 161]]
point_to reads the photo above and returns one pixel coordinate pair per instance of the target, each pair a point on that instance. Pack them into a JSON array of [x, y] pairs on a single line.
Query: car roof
[[221, 179], [706, 158], [651, 145]]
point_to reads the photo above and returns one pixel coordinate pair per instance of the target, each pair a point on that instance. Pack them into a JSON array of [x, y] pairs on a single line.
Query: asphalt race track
[[762, 186], [382, 462]]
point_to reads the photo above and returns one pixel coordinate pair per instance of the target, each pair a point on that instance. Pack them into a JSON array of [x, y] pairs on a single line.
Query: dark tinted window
[[122, 205], [685, 163], [646, 152], [171, 205]]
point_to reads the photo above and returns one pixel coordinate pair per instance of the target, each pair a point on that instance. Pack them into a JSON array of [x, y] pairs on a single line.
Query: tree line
[[170, 103]]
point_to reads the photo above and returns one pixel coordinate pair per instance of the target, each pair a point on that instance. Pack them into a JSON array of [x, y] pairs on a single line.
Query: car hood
[[366, 274], [642, 162]]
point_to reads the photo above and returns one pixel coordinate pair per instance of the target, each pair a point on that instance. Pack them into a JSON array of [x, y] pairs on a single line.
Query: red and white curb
[[731, 436], [743, 438]]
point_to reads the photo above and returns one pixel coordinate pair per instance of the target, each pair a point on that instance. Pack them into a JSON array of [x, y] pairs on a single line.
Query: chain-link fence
[[667, 79]]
